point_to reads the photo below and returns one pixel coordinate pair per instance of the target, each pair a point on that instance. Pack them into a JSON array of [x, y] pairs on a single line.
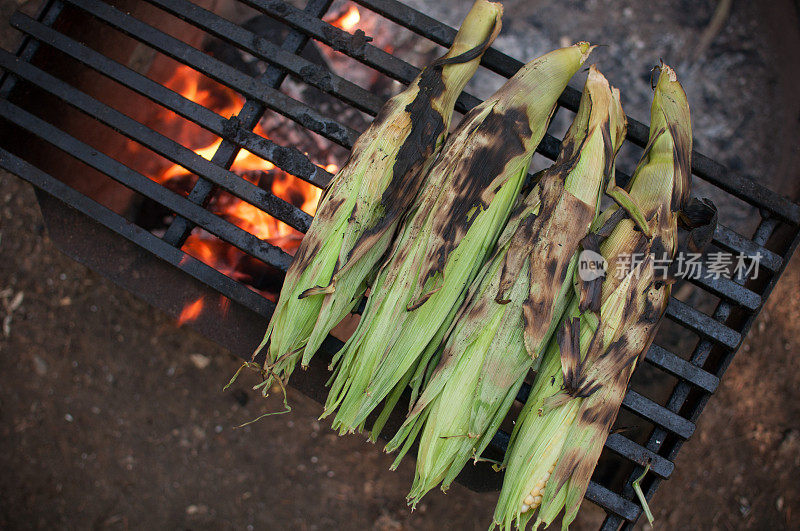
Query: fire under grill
[[75, 122]]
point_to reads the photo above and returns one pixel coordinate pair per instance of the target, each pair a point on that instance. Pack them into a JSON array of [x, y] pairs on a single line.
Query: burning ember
[[260, 172], [348, 20], [191, 311], [225, 102]]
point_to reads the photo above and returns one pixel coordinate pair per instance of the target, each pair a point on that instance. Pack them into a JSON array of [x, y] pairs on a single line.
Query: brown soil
[[113, 417]]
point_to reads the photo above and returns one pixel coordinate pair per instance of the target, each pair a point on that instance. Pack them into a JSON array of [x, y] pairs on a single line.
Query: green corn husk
[[608, 326], [453, 227], [517, 302], [358, 214]]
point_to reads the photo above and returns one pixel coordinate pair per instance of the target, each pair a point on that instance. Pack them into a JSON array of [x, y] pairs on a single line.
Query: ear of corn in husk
[[517, 302], [358, 214], [454, 225], [577, 393]]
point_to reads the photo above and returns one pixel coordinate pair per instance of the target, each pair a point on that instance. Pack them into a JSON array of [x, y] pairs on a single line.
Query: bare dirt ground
[[111, 416]]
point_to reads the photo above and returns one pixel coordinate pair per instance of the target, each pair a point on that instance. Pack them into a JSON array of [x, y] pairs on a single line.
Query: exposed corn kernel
[[528, 500]]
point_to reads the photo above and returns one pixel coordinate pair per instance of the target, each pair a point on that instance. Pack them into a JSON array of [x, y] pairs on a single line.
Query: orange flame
[[224, 305], [348, 21], [203, 246], [191, 311]]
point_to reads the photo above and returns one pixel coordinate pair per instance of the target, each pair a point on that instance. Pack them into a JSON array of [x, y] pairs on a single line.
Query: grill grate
[[697, 375]]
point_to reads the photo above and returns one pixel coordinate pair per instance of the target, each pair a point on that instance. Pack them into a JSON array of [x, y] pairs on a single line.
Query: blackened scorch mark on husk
[[657, 248], [568, 158], [608, 149], [563, 220], [427, 125], [550, 192], [570, 347], [599, 414], [594, 421], [310, 246], [551, 268], [651, 313], [515, 257], [591, 290], [682, 153], [502, 138], [580, 384], [611, 223], [700, 218]]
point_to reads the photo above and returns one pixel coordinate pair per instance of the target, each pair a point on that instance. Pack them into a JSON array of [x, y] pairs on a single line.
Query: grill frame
[[698, 377]]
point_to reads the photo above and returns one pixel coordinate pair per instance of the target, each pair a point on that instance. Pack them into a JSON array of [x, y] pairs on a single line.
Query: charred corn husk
[[358, 214], [607, 328], [517, 302], [454, 226]]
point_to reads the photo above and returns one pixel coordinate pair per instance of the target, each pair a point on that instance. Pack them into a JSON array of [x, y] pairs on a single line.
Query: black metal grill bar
[[684, 315], [315, 75], [658, 414], [621, 445], [741, 186], [234, 34], [374, 57], [702, 324], [235, 291], [288, 159], [48, 14], [225, 230], [734, 242], [612, 502], [362, 99], [221, 72], [248, 117], [745, 188], [171, 150], [549, 146], [683, 369], [336, 38], [723, 286]]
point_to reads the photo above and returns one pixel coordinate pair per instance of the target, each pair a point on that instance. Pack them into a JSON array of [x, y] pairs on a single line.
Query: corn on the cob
[[358, 214], [454, 225], [516, 304], [562, 429]]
